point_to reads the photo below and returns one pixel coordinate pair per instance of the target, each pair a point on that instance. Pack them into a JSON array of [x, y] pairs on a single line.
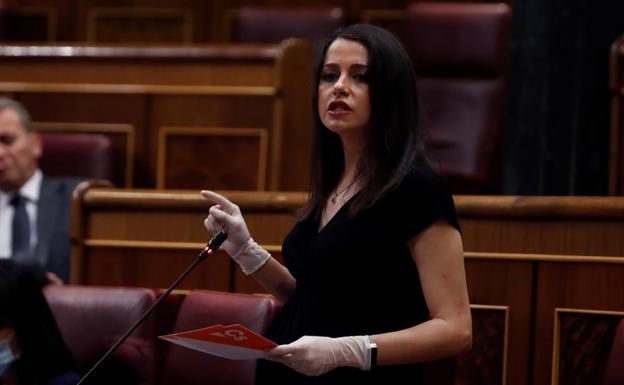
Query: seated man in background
[[34, 209]]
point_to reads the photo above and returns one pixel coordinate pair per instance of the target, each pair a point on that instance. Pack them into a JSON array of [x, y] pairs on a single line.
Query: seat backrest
[[202, 308], [614, 374], [91, 319], [460, 52], [88, 156], [7, 18], [272, 25]]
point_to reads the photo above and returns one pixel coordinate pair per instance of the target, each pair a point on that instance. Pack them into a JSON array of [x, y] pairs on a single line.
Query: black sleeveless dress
[[356, 277]]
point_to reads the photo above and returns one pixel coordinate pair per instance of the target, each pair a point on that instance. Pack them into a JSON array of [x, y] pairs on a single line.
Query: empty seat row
[[91, 319]]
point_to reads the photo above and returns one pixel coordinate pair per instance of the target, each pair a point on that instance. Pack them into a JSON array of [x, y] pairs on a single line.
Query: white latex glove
[[239, 245], [314, 356]]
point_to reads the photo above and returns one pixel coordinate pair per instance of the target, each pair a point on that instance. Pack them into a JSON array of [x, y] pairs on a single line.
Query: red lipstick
[[338, 107]]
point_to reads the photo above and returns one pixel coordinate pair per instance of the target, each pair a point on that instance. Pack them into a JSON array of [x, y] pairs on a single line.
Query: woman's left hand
[[314, 356]]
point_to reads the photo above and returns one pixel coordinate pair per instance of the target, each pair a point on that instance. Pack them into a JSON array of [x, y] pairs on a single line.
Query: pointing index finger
[[225, 204]]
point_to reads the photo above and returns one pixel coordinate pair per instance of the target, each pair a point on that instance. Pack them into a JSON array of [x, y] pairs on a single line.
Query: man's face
[[19, 151]]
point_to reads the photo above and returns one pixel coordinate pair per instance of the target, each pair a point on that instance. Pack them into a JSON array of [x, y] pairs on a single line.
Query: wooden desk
[[147, 237], [217, 116], [544, 273]]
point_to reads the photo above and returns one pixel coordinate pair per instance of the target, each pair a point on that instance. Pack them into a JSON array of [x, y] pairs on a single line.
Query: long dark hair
[[394, 140], [24, 308]]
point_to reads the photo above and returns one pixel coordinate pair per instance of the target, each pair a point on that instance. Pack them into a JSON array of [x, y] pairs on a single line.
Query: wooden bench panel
[[225, 86]]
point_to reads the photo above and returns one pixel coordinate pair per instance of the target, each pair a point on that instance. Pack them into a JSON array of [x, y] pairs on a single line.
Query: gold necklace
[[337, 193]]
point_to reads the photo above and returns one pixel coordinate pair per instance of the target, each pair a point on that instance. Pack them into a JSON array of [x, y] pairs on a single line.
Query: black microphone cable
[[210, 248]]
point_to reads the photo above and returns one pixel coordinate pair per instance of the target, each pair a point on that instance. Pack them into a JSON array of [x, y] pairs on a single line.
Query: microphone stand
[[212, 246]]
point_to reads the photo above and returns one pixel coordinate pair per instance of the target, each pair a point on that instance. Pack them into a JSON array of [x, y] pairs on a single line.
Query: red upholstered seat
[[272, 25], [614, 374], [460, 52], [88, 156], [203, 308], [91, 319]]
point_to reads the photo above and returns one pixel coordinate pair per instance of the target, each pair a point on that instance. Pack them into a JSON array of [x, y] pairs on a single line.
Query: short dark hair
[[21, 111], [395, 145]]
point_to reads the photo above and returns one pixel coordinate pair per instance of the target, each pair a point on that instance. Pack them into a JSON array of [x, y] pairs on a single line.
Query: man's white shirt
[[30, 190]]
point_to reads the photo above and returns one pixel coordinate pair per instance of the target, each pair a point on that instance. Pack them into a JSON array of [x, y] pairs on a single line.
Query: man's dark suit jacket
[[52, 251]]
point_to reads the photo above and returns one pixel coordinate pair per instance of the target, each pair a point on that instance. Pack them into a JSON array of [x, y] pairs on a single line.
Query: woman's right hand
[[226, 216], [239, 245]]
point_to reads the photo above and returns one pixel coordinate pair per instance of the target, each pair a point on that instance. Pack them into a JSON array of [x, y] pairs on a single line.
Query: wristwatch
[[372, 347]]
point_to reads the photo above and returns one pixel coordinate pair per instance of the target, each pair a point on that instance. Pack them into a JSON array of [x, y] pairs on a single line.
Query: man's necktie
[[21, 226]]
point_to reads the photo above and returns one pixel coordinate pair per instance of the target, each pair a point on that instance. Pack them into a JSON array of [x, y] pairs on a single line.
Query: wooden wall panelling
[[264, 86], [139, 25], [128, 70], [547, 236], [139, 223], [228, 20], [122, 138], [487, 362], [247, 102], [276, 99], [582, 342], [154, 265], [138, 214], [595, 285], [291, 142], [223, 111], [616, 140], [574, 244], [503, 282], [229, 158], [552, 225], [140, 245], [590, 229], [164, 18]]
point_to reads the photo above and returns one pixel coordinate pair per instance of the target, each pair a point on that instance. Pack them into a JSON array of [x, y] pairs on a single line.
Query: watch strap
[[372, 347]]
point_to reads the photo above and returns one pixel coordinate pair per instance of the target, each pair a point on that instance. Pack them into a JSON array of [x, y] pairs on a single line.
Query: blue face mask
[[6, 356]]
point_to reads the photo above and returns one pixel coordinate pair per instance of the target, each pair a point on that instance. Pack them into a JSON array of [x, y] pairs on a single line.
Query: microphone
[[212, 246]]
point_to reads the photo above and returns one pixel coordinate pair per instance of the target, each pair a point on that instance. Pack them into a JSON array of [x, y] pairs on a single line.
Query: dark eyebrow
[[356, 66], [359, 66]]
